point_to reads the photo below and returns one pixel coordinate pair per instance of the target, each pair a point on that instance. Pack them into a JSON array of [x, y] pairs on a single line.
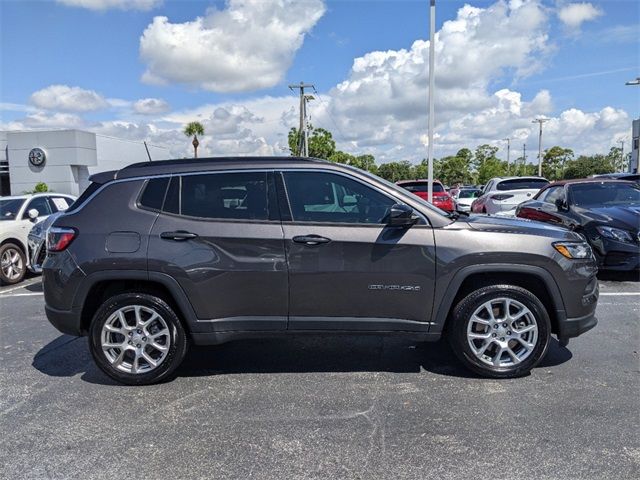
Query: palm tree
[[193, 129]]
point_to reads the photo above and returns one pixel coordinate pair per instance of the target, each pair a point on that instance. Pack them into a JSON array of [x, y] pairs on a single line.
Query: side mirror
[[401, 215], [33, 213], [561, 205]]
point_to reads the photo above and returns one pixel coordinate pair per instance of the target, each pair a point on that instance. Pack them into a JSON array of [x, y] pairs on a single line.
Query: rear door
[[347, 269], [219, 235]]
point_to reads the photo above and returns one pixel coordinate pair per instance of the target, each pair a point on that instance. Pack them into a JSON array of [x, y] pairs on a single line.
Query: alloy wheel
[[502, 332], [135, 339], [11, 264]]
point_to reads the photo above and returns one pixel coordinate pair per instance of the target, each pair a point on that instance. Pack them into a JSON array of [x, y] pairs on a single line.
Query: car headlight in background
[[574, 250], [616, 234]]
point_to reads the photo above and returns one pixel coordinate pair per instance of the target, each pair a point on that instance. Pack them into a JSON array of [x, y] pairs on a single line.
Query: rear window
[[522, 184], [153, 194], [421, 186], [468, 193], [82, 199]]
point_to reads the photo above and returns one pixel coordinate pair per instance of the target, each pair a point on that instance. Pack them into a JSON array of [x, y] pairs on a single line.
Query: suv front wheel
[[137, 339], [500, 331]]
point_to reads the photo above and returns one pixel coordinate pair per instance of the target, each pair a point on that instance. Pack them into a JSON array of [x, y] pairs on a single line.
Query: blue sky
[[582, 63]]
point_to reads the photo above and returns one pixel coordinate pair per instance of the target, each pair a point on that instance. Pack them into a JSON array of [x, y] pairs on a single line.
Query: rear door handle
[[179, 236], [310, 239]]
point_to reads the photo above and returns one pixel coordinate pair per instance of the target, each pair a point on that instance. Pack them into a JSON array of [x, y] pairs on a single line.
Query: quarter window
[[153, 194], [330, 198], [241, 196]]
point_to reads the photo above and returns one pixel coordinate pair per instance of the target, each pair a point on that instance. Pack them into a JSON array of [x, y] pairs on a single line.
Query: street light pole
[[540, 121], [508, 152], [621, 142], [432, 29]]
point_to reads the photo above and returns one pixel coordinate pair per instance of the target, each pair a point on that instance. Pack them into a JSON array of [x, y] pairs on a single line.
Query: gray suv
[[159, 255]]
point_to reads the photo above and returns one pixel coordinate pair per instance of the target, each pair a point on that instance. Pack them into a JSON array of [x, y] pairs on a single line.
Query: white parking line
[[22, 285], [619, 294], [32, 294]]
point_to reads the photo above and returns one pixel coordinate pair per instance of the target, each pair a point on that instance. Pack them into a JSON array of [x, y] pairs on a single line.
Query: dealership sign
[[37, 157]]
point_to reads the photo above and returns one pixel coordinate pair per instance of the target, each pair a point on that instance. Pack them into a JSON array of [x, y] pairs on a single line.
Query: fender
[[440, 316], [165, 280]]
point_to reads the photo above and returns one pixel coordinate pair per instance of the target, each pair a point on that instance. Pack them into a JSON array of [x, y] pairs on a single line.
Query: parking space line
[[22, 285], [619, 294], [31, 294]]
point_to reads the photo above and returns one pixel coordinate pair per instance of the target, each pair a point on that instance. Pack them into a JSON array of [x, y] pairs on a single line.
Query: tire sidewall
[[462, 315], [177, 334], [6, 247]]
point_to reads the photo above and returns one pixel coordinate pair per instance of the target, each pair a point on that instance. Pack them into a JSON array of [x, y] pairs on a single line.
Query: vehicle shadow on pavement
[[69, 356]]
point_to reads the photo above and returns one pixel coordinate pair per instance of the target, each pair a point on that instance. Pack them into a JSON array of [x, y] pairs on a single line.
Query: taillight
[[59, 238], [501, 196]]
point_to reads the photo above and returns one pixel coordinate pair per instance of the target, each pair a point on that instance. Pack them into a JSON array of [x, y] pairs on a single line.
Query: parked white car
[[504, 194], [18, 214], [464, 197]]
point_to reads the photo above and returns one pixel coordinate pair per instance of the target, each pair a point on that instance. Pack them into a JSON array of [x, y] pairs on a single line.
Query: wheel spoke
[[161, 348], [481, 321], [526, 329], [513, 356], [109, 346], [147, 322], [498, 358], [479, 335], [525, 344], [149, 360]]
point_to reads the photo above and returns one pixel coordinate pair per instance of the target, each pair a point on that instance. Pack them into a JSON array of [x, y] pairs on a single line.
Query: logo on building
[[37, 157]]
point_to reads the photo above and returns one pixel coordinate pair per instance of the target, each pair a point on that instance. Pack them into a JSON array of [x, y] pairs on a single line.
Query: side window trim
[[286, 198]]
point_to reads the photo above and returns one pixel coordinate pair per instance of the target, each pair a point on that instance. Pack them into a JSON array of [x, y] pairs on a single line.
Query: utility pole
[[524, 155], [508, 152], [621, 142], [303, 135], [432, 82], [540, 121]]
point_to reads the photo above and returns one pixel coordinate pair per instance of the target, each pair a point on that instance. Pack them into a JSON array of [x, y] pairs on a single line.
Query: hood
[[518, 225], [620, 216]]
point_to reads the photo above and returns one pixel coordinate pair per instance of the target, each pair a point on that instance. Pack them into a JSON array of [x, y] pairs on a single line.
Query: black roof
[[163, 167]]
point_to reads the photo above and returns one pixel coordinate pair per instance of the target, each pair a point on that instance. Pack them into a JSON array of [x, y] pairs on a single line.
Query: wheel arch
[[100, 286], [535, 279], [17, 242]]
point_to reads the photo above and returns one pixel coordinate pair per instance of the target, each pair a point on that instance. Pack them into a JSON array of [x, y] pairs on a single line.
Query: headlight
[[615, 234], [574, 250]]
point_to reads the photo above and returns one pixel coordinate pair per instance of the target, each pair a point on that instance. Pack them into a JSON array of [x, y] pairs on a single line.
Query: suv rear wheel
[[12, 264], [500, 331], [137, 339]]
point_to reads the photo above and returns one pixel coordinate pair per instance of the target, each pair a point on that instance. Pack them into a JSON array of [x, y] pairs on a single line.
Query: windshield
[[9, 208], [522, 184], [421, 187], [468, 193], [605, 194]]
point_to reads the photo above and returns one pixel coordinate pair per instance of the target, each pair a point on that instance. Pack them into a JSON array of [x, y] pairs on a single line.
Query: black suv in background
[[158, 255]]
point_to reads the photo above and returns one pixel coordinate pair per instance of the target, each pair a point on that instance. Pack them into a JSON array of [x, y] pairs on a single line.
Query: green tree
[[554, 161], [585, 165], [617, 161], [321, 142], [483, 153], [341, 157], [491, 167], [193, 129], [364, 162], [395, 171]]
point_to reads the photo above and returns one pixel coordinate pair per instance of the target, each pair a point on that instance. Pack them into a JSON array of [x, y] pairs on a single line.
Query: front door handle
[[310, 239], [178, 236]]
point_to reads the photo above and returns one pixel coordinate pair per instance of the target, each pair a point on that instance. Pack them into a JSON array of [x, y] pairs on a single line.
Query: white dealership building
[[64, 159]]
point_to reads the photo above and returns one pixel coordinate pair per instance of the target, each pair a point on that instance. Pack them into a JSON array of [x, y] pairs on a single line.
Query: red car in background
[[441, 198]]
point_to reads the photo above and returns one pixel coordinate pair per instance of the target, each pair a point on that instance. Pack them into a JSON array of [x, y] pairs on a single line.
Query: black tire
[[462, 316], [6, 249], [176, 333]]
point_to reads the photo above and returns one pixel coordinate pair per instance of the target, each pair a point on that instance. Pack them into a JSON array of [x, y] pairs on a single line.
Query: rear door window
[[236, 196]]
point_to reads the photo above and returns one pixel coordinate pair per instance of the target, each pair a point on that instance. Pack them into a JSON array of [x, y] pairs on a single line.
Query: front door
[[348, 270], [220, 237]]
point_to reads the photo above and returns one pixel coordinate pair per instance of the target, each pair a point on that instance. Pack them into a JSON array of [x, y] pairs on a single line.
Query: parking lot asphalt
[[339, 407]]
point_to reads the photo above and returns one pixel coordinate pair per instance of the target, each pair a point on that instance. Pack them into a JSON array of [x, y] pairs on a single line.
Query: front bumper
[[573, 327]]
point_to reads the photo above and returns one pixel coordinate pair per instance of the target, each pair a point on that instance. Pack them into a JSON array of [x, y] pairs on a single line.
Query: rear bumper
[[573, 327], [66, 321]]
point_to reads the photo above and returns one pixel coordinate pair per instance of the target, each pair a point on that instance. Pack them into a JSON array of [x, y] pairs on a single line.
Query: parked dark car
[[630, 177], [605, 212], [441, 198], [211, 250]]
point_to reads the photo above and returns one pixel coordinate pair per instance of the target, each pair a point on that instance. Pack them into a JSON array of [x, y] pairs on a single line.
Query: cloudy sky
[[141, 69]]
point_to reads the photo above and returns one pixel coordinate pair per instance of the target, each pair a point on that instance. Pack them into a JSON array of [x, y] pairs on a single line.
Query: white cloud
[[573, 15], [151, 106], [102, 5], [71, 99], [52, 120], [247, 46]]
